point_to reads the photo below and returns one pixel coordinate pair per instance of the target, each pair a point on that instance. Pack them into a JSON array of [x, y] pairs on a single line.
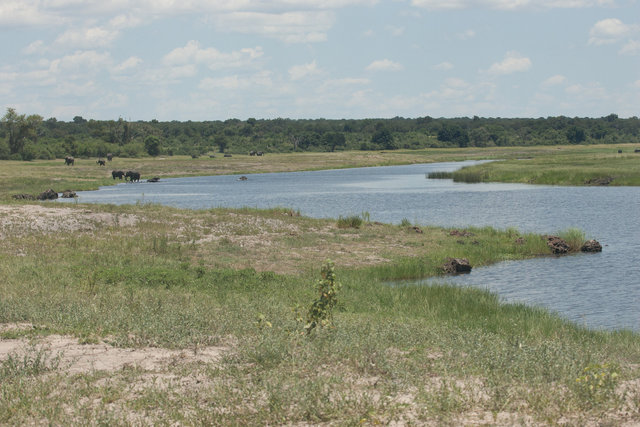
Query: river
[[597, 290]]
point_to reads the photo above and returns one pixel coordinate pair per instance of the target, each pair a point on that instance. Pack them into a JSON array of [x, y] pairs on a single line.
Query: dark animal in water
[[154, 179], [101, 162], [69, 161], [117, 174], [242, 178], [109, 156], [132, 176]]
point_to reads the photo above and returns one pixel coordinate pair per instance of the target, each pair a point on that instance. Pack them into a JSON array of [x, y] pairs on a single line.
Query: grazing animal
[[69, 161], [109, 156], [101, 162], [117, 174], [259, 153], [227, 155], [132, 176], [252, 153]]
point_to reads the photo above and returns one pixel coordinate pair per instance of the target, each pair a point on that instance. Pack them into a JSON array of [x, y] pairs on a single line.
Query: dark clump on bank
[[603, 180], [456, 266], [23, 197], [49, 194], [591, 246]]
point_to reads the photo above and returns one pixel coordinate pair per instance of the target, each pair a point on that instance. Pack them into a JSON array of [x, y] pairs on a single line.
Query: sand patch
[[73, 357], [18, 220]]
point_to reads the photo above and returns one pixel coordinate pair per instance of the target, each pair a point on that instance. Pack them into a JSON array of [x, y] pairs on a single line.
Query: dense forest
[[31, 137]]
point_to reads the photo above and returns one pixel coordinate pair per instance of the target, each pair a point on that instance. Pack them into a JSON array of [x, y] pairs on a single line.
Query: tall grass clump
[[470, 176], [353, 221], [574, 237], [440, 175]]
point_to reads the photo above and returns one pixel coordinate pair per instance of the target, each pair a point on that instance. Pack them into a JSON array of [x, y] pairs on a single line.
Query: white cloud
[[291, 27], [513, 62], [236, 82], [211, 57], [588, 92], [632, 47], [395, 31], [87, 37], [384, 65], [608, 31], [508, 4], [37, 47], [443, 66], [228, 82], [298, 72], [466, 35], [128, 64], [81, 61], [556, 80], [14, 13]]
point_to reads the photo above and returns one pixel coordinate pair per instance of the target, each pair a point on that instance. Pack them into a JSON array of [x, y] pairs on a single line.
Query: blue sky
[[214, 60]]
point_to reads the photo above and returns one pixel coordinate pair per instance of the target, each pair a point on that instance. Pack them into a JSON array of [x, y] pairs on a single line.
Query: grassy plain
[[213, 302]]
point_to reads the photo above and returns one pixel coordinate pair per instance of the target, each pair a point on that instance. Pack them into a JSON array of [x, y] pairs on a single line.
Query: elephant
[[117, 174], [109, 156], [132, 176], [69, 161], [101, 162]]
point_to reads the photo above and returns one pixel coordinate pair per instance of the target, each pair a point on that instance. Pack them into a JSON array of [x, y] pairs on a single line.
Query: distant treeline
[[32, 137]]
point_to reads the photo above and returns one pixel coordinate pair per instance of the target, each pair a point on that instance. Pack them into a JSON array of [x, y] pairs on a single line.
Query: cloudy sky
[[214, 60]]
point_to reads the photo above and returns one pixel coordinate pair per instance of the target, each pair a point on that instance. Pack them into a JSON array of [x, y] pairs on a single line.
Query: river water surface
[[597, 290]]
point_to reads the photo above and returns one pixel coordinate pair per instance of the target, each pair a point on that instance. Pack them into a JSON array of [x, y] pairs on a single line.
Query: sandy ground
[[73, 357], [19, 219]]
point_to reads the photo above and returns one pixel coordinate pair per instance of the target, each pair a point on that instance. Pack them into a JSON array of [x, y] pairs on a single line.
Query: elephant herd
[[132, 176]]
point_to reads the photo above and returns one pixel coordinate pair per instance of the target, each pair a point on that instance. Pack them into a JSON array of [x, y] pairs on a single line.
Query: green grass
[[434, 354], [407, 353], [563, 165]]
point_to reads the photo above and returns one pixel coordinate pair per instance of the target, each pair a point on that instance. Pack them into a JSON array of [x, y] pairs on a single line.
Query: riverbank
[[560, 165], [149, 314], [617, 165]]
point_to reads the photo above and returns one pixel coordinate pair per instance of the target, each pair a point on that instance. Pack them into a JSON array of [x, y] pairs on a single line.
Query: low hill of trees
[[31, 137]]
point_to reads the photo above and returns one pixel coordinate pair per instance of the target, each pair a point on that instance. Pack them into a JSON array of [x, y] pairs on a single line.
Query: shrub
[[349, 222], [321, 310]]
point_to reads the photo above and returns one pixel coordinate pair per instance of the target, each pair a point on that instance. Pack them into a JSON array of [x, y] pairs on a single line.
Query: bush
[[349, 222], [321, 311]]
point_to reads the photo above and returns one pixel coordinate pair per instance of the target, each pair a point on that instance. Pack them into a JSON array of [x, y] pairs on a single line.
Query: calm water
[[598, 290]]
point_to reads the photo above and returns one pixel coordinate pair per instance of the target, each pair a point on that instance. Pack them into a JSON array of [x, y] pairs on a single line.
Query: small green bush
[[349, 222], [321, 311]]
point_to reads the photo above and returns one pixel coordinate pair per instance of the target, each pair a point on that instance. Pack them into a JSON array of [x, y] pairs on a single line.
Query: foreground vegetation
[[242, 281], [227, 296]]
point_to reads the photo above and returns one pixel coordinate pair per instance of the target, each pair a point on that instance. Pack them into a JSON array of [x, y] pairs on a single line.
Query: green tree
[[334, 139], [152, 145], [19, 129], [575, 135], [384, 138], [221, 142]]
